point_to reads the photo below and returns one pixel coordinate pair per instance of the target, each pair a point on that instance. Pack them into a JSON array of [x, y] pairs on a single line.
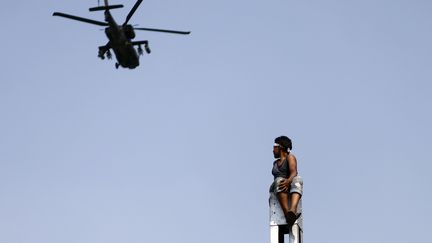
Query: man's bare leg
[[290, 216], [295, 199], [283, 199]]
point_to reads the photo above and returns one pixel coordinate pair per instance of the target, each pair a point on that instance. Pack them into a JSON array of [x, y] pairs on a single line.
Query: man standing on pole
[[287, 185]]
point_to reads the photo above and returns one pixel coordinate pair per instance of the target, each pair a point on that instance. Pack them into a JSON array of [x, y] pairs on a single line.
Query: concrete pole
[[278, 223]]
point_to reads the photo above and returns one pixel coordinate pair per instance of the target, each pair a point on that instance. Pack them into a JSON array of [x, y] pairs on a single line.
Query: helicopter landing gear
[[117, 65]]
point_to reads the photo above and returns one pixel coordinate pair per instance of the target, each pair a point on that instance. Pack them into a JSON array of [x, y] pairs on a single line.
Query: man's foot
[[290, 218]]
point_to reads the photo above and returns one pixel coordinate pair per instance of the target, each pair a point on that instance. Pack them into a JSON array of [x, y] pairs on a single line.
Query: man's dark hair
[[284, 141]]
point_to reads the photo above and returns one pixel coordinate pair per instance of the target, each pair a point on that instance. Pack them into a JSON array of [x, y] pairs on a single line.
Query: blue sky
[[180, 149]]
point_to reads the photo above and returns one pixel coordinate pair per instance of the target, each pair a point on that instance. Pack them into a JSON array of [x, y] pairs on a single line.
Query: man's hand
[[284, 185]]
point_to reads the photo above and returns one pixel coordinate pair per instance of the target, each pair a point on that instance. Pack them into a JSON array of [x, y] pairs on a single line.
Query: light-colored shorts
[[296, 185]]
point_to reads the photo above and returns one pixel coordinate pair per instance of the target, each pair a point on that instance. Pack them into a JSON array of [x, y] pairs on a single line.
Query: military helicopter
[[120, 36]]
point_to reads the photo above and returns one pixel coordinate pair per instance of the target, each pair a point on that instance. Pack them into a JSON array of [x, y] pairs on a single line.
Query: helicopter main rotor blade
[[90, 21], [132, 11], [165, 31]]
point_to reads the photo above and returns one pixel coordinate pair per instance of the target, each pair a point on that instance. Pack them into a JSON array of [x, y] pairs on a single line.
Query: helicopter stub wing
[[90, 21], [135, 43]]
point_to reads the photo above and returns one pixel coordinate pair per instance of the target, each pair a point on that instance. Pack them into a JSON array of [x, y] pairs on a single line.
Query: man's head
[[282, 145]]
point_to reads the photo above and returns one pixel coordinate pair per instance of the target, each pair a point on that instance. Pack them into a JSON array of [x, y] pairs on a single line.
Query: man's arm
[[292, 166]]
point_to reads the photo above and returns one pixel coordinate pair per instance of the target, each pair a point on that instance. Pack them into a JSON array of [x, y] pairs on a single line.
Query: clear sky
[[180, 149]]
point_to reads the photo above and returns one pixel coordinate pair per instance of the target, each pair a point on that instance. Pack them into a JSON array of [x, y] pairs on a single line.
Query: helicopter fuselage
[[120, 42]]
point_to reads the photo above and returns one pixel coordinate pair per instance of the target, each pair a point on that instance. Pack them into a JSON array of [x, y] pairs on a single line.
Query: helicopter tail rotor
[[108, 7]]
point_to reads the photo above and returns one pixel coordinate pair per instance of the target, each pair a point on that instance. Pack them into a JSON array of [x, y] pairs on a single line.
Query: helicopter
[[120, 37]]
